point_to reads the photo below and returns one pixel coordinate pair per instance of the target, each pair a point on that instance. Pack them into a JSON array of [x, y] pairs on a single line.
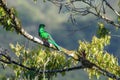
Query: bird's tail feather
[[53, 42]]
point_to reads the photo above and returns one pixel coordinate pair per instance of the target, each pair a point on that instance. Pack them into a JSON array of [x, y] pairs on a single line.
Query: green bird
[[46, 37]]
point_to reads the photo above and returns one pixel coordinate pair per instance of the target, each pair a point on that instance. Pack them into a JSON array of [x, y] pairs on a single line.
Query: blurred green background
[[32, 15]]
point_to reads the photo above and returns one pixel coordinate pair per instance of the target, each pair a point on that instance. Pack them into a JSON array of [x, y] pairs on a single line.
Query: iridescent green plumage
[[46, 36]]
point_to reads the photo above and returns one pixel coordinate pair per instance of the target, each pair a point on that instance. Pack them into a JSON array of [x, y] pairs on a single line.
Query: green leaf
[[98, 75], [119, 19], [8, 22], [119, 3], [44, 0], [102, 31], [35, 1]]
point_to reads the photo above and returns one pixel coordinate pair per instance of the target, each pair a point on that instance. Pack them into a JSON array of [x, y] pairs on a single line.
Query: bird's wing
[[51, 40], [50, 37]]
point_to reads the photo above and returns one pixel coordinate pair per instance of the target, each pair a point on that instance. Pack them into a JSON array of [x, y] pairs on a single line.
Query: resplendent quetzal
[[46, 37]]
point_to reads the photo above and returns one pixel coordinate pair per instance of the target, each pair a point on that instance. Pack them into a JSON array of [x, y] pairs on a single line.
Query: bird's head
[[41, 25]]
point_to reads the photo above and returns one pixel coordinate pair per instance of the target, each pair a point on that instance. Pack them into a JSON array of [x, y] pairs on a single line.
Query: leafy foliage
[[95, 53], [102, 31], [36, 1], [5, 19], [39, 59], [119, 3], [119, 19]]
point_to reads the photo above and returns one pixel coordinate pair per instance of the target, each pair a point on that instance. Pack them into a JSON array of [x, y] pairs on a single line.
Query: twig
[[45, 68], [111, 7], [71, 8]]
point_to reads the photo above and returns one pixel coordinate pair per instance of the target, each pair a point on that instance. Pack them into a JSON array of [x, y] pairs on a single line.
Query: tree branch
[[102, 16], [116, 12], [91, 65], [84, 11], [8, 60]]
